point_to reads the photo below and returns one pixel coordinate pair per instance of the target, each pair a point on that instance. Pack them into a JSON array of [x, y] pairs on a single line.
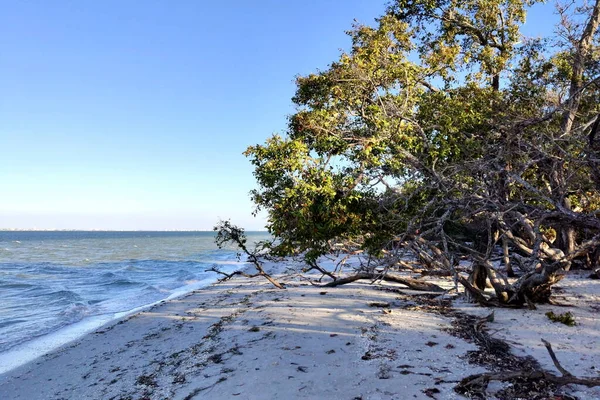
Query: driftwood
[[261, 272], [524, 373], [228, 233], [413, 284], [482, 380], [478, 383], [559, 367]]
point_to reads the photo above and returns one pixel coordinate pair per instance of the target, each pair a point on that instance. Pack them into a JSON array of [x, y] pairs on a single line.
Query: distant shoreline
[[112, 230]]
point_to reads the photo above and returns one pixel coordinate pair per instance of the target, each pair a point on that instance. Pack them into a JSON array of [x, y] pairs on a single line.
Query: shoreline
[[245, 339], [37, 347]]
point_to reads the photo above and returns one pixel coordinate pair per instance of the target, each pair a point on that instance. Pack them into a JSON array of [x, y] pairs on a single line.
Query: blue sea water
[[51, 280]]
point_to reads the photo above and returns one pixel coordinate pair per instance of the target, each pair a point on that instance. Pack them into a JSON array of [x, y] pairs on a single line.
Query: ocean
[[57, 286]]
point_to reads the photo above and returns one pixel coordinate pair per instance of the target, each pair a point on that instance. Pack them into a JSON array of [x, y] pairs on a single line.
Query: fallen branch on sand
[[476, 385], [413, 284], [480, 381], [228, 233], [261, 272], [227, 276]]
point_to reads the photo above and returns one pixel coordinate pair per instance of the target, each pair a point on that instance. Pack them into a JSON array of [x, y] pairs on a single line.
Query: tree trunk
[[569, 242], [579, 59], [478, 277], [506, 257]]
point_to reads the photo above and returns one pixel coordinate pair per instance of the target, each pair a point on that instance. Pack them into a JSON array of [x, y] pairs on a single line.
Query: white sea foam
[[29, 351], [55, 297]]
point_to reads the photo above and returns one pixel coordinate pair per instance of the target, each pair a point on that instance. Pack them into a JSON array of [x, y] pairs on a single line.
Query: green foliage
[[229, 234], [565, 318], [440, 106], [464, 34]]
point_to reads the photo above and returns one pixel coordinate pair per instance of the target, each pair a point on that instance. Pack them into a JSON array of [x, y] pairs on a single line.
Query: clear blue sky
[[134, 114]]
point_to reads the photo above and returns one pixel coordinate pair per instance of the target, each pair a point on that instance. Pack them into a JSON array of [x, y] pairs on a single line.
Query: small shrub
[[566, 318]]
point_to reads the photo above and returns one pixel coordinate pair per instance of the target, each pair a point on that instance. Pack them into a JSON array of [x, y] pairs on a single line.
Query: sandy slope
[[245, 340]]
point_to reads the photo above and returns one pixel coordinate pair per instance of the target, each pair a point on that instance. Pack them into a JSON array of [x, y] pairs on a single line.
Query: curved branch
[[413, 284]]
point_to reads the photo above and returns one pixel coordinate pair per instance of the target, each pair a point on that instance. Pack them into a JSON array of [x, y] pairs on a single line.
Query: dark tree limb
[[482, 380], [474, 292], [254, 260], [315, 266], [229, 233], [555, 360], [582, 53], [413, 284], [227, 276], [479, 382]]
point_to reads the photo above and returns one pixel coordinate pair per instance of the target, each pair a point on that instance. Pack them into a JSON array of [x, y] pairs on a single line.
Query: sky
[[133, 115]]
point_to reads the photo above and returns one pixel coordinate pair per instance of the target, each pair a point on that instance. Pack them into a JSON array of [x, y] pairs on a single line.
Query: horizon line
[[111, 230]]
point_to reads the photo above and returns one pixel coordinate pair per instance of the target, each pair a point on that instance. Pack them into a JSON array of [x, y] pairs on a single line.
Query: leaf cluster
[[442, 117]]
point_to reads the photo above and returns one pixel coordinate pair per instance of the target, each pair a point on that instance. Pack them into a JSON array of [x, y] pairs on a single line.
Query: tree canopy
[[445, 131]]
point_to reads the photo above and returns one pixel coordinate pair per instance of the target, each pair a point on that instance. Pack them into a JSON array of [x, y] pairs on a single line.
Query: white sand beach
[[244, 339]]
